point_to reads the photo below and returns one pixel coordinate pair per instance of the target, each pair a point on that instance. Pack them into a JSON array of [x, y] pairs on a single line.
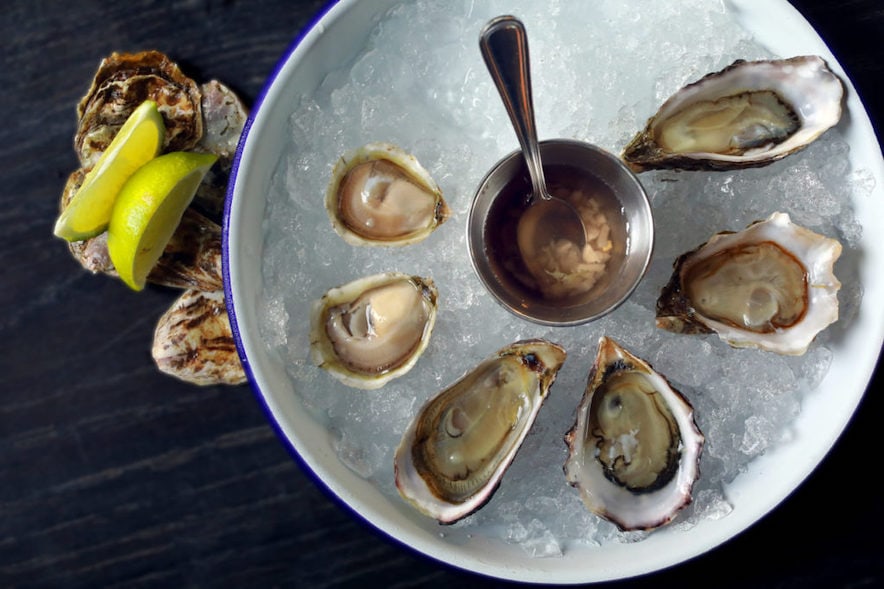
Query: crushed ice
[[599, 70]]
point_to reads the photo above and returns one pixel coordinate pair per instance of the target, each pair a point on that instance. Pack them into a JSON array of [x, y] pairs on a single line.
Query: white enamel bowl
[[333, 39]]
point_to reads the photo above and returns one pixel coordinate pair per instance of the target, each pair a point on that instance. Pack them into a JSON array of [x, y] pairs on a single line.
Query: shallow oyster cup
[[632, 251]]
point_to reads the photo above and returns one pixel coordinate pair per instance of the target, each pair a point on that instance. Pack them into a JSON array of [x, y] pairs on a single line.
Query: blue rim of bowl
[[718, 538], [225, 249], [228, 203]]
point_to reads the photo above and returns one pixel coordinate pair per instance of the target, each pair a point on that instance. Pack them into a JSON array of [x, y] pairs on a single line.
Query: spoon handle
[[504, 46]]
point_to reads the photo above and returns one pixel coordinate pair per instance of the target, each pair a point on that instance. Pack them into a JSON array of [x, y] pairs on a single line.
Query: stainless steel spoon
[[504, 46]]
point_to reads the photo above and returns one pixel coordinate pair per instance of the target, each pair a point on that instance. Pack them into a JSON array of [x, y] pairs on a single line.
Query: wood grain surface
[[114, 475]]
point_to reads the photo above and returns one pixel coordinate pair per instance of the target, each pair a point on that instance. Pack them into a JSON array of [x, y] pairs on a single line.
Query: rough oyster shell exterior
[[125, 80], [191, 259], [193, 341]]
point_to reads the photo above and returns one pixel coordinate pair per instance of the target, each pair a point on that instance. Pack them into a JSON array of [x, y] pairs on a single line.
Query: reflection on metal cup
[[500, 200]]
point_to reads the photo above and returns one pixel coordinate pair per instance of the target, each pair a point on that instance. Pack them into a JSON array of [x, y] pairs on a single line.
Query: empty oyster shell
[[122, 82], [456, 450], [769, 286], [380, 195], [193, 341], [749, 114], [374, 329], [634, 449]]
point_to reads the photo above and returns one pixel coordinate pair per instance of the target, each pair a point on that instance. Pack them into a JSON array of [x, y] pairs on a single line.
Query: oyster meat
[[769, 286], [374, 329], [381, 195], [457, 448], [634, 450], [749, 114]]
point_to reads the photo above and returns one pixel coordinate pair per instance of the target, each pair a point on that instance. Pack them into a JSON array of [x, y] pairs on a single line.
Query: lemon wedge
[[138, 141], [148, 209]]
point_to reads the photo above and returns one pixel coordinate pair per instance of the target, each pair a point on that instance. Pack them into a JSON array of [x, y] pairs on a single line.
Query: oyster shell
[[769, 286], [749, 114], [191, 259], [193, 341], [224, 117], [122, 82], [457, 448], [634, 449], [381, 195], [91, 253], [374, 329]]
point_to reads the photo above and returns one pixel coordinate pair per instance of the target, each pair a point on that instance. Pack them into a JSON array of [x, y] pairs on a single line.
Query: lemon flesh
[[149, 208], [138, 141]]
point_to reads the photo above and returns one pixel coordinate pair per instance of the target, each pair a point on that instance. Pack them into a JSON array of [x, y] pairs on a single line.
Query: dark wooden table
[[114, 475]]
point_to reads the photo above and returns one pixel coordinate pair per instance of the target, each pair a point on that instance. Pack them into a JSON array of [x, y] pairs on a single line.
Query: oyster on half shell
[[381, 195], [749, 114], [456, 450], [634, 449], [373, 329], [769, 286]]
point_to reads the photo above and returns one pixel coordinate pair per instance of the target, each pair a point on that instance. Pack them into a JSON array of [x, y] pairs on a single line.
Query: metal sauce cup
[[500, 200]]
